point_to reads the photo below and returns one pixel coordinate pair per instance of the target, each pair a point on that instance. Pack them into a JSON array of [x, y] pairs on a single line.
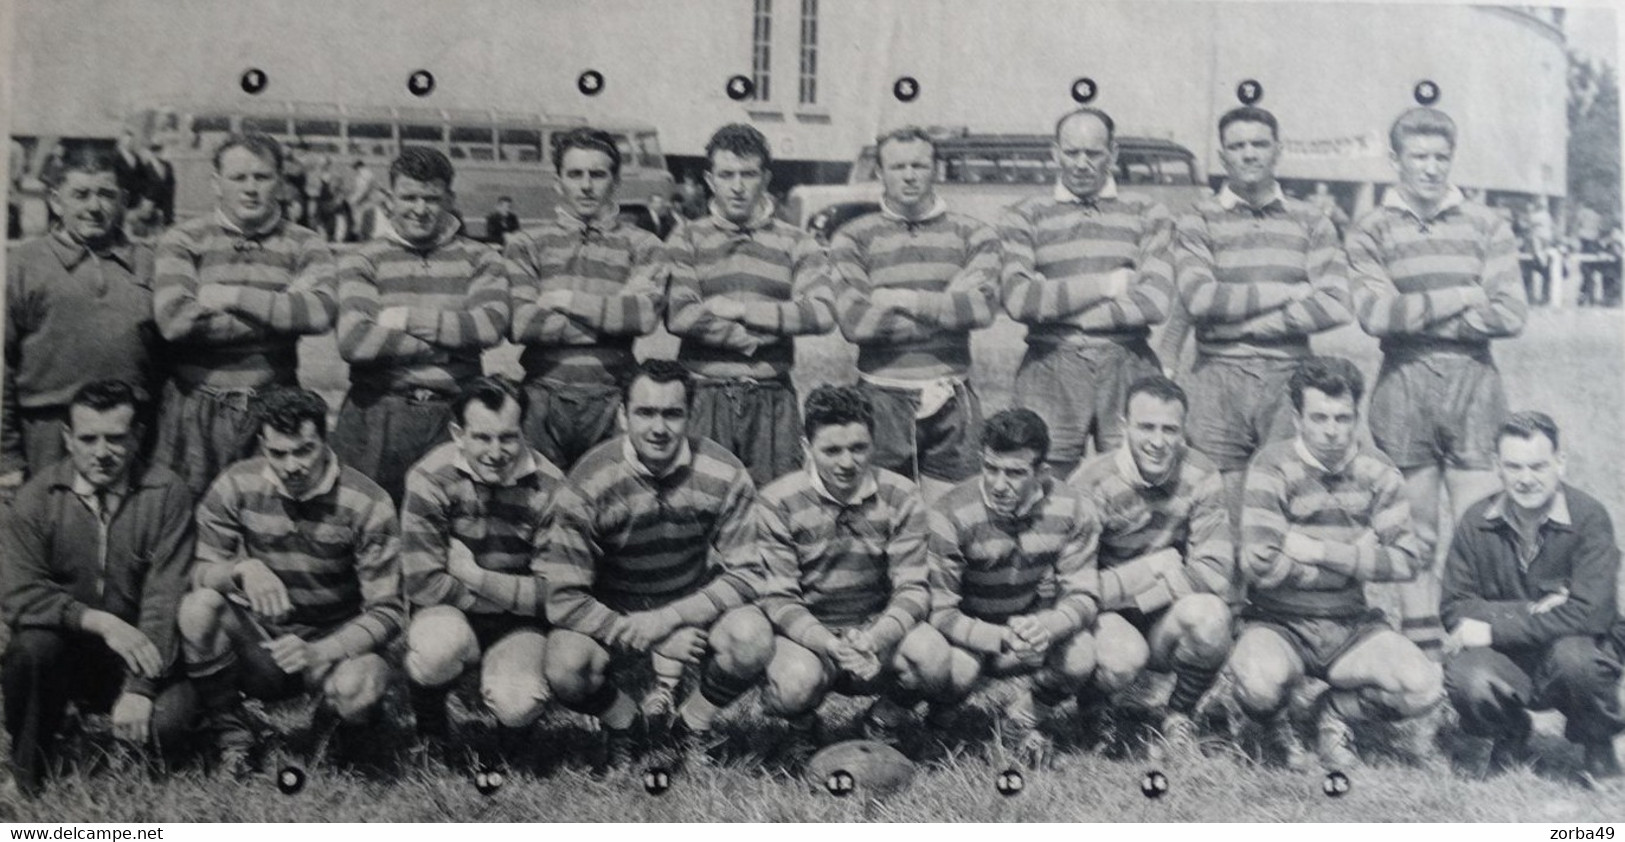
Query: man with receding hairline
[[1087, 270]]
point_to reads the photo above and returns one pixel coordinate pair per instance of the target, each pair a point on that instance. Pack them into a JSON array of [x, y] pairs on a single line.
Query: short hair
[[1159, 387], [1421, 121], [904, 134], [85, 159], [659, 371], [1332, 376], [742, 140], [831, 406], [102, 395], [1010, 430], [286, 409], [501, 199], [594, 140], [491, 391], [261, 145], [1249, 114], [420, 163], [1089, 110], [1527, 425]]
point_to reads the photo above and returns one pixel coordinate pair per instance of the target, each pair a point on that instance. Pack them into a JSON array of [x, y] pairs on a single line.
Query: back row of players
[[911, 509]]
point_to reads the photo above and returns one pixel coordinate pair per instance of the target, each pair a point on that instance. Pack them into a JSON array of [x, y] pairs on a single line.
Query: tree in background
[[1594, 151]]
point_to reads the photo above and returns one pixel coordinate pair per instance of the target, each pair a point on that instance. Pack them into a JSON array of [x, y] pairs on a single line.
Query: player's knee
[[437, 646], [1574, 660], [794, 686], [1204, 625], [575, 666], [1421, 685], [357, 685], [923, 660], [198, 616], [742, 641], [1120, 653], [1078, 658], [516, 700], [174, 715], [1261, 679]]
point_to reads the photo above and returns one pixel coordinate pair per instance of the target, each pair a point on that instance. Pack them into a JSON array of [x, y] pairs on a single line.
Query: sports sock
[[1190, 682], [668, 671]]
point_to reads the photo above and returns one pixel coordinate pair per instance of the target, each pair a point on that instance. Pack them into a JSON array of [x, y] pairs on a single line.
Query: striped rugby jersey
[[279, 285], [456, 295], [945, 264], [1257, 281], [337, 550], [772, 268], [501, 524], [1449, 282], [615, 275], [621, 540], [1058, 251], [1357, 511], [1186, 511], [852, 563], [986, 569]]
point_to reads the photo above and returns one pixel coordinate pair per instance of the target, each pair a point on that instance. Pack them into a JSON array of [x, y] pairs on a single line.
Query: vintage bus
[[496, 153]]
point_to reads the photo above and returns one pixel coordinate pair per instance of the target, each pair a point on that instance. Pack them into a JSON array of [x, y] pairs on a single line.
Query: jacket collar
[[1393, 198], [1024, 509], [1109, 191], [446, 230], [1496, 512], [1229, 199], [330, 479], [72, 252], [226, 222], [939, 207], [1130, 469], [867, 488], [607, 219], [1330, 470], [530, 462], [685, 457], [761, 217]]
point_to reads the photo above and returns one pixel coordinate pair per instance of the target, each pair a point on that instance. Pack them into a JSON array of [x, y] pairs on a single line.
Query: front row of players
[[659, 556]]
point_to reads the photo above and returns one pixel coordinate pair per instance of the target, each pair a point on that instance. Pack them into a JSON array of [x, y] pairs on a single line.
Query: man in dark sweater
[[96, 556], [1529, 600]]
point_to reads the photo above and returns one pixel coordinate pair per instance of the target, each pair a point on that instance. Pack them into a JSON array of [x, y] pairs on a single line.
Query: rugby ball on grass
[[876, 768]]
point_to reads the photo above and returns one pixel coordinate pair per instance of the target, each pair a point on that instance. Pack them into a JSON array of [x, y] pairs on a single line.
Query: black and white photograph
[[811, 411]]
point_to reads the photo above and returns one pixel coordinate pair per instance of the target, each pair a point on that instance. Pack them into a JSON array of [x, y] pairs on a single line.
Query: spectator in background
[[691, 197], [1588, 228], [664, 214], [1322, 198], [292, 194], [362, 201], [320, 197], [501, 222], [160, 186]]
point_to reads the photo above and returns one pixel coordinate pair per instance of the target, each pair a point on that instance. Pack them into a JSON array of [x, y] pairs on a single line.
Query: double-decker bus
[[496, 153]]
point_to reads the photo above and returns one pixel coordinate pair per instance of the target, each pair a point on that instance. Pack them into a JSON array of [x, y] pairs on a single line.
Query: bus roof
[[397, 113], [980, 142]]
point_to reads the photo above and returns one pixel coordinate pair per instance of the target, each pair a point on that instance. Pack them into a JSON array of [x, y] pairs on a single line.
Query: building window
[[809, 52], [761, 58]]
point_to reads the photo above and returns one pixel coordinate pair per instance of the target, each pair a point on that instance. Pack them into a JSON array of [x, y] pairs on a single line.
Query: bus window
[[275, 126], [1136, 169], [867, 169], [209, 129], [317, 135], [520, 145], [628, 154], [649, 151], [472, 143], [419, 134], [372, 139], [1177, 171]]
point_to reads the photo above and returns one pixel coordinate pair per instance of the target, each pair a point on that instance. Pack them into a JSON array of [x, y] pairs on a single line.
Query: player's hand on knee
[[132, 718], [126, 641], [266, 594], [646, 628], [291, 653], [1035, 633], [687, 644]]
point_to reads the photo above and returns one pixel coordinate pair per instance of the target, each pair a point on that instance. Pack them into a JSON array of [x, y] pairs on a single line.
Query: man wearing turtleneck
[[417, 306], [233, 293], [585, 286], [912, 282], [743, 286], [78, 309], [1087, 270]]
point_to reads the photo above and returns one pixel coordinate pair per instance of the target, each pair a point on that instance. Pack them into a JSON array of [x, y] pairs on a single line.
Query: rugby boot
[[692, 746], [1333, 738], [803, 740], [235, 740], [658, 708], [617, 750], [433, 721], [1178, 734], [1100, 727], [884, 719], [1281, 736]]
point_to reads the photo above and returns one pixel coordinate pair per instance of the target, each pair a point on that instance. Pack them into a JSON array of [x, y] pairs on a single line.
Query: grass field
[[1568, 363]]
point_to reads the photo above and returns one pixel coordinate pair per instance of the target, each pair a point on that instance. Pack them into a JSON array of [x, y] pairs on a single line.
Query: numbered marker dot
[[906, 89], [656, 781], [420, 83], [840, 783], [1154, 784], [740, 88], [488, 781], [1010, 782], [1426, 92], [1084, 90], [1249, 92], [1336, 785], [253, 80], [590, 82], [290, 780]]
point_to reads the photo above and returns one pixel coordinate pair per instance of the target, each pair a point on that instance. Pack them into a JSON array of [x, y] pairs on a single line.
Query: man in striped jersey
[[1323, 516], [1167, 564], [913, 281], [471, 522], [585, 286], [297, 586], [994, 540], [233, 294], [1258, 273], [1435, 278], [648, 541], [417, 305], [1087, 270], [844, 546], [743, 286]]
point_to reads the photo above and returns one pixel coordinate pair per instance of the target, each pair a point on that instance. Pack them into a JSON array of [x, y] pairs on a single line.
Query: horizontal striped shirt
[[946, 268], [776, 272], [456, 296], [843, 564], [1448, 282], [337, 550], [502, 525], [1358, 513], [986, 568], [1257, 281], [265, 289], [615, 277], [621, 540], [1060, 251], [1185, 512]]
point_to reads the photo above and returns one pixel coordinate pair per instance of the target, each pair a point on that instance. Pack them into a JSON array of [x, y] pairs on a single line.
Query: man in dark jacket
[[1529, 600], [96, 556]]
